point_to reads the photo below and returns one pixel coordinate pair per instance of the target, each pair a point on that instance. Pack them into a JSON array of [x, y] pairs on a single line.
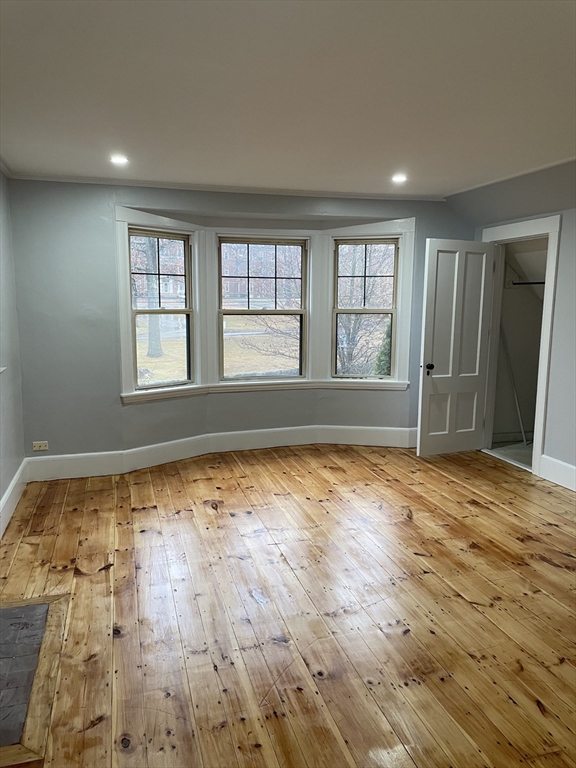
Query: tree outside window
[[364, 307], [262, 315], [161, 308]]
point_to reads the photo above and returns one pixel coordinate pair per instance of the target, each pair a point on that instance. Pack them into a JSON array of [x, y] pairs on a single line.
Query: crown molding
[[223, 188]]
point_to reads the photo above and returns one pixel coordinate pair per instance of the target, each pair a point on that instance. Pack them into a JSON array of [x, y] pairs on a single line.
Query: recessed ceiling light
[[399, 178], [119, 159]]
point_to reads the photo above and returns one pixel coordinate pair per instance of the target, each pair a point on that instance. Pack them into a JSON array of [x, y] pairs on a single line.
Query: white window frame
[[337, 310], [402, 230], [319, 303], [301, 311], [126, 220], [187, 311]]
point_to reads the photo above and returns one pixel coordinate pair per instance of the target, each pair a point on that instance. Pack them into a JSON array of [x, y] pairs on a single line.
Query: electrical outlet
[[40, 445]]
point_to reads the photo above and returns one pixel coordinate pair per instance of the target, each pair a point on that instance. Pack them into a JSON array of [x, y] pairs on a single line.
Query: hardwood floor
[[318, 606]]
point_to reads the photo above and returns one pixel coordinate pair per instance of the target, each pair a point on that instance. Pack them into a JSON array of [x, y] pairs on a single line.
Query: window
[[161, 308], [364, 311], [261, 308], [265, 313]]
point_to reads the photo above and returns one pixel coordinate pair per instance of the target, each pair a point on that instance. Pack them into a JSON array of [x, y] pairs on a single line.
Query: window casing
[[262, 290], [161, 308], [203, 275], [364, 311]]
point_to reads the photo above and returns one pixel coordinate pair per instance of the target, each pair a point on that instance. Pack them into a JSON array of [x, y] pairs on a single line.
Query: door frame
[[500, 235]]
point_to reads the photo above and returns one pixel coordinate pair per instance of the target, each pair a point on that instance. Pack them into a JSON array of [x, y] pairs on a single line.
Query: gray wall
[[560, 436], [67, 299], [560, 432], [64, 236], [531, 196], [534, 194], [11, 429]]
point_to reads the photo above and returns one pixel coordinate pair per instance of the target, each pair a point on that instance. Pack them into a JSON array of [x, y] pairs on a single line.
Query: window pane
[[288, 294], [143, 254], [234, 259], [145, 292], [363, 345], [262, 261], [351, 259], [161, 349], [380, 292], [380, 259], [289, 261], [172, 292], [235, 293], [171, 256], [350, 292], [261, 345], [261, 293]]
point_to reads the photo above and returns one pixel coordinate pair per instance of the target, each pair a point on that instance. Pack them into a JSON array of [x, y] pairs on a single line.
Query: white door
[[457, 304]]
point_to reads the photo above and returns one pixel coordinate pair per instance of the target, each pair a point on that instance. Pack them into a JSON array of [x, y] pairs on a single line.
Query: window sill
[[189, 390]]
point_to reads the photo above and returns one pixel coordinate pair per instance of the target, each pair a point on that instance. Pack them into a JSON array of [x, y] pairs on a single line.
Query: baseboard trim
[[40, 468], [12, 495], [558, 472], [118, 462]]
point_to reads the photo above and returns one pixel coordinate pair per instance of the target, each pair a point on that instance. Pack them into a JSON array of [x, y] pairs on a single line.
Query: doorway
[[538, 232], [463, 294], [519, 334]]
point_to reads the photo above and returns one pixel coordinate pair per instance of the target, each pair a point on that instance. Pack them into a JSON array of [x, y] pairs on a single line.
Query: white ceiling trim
[[216, 188], [7, 171]]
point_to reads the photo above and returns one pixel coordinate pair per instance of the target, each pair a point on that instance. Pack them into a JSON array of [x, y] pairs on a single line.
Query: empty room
[[287, 384]]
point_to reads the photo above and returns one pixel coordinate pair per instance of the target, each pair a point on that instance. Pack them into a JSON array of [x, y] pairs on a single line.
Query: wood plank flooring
[[309, 607]]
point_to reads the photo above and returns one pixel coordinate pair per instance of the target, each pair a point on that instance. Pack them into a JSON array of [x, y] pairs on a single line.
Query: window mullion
[[158, 267], [248, 274], [365, 270]]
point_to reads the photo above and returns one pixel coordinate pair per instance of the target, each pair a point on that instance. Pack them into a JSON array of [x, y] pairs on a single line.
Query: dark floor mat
[[21, 632]]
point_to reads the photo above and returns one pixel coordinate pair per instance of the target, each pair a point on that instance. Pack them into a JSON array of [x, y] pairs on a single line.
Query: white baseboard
[[558, 472], [118, 462], [40, 468], [12, 495]]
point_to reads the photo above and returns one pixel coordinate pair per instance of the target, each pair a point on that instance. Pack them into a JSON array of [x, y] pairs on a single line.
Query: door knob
[[429, 367]]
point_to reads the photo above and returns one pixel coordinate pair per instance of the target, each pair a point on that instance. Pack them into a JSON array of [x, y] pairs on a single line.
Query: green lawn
[[239, 359]]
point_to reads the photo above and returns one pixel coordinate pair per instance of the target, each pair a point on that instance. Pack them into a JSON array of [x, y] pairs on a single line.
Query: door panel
[[465, 411], [457, 300], [444, 287]]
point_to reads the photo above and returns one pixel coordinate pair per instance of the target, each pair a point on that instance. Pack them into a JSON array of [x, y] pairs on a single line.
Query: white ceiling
[[297, 95]]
